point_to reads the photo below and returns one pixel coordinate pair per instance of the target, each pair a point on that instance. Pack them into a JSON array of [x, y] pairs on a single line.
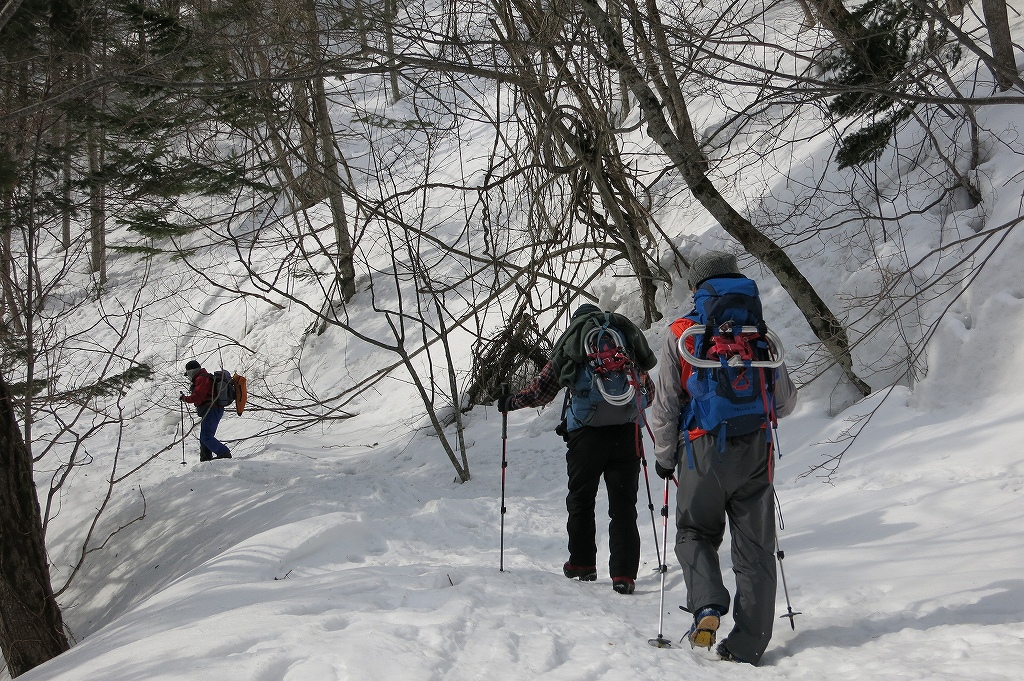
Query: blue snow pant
[[209, 445], [733, 484]]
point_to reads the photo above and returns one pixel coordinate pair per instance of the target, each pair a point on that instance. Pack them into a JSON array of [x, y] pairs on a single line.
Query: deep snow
[[303, 561], [349, 553], [353, 555]]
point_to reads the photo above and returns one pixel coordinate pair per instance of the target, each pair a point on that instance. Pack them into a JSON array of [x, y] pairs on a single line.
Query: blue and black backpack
[[601, 359], [606, 391], [223, 392], [734, 360]]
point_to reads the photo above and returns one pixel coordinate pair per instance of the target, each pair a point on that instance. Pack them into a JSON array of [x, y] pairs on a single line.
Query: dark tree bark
[[8, 10], [998, 22], [684, 152], [346, 274], [843, 26], [31, 628]]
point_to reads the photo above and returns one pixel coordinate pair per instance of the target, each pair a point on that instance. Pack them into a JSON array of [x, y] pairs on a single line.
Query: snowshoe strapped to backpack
[[607, 388], [732, 384]]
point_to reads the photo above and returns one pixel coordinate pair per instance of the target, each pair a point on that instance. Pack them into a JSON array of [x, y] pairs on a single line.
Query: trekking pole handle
[[774, 343]]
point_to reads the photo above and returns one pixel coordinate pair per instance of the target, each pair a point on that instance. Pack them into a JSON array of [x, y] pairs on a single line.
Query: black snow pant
[[612, 452], [734, 484]]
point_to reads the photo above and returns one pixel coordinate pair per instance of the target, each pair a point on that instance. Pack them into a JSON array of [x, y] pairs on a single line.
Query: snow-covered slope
[[347, 551]]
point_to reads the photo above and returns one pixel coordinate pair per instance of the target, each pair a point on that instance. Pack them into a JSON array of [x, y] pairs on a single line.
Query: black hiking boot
[[623, 585], [585, 574], [725, 654]]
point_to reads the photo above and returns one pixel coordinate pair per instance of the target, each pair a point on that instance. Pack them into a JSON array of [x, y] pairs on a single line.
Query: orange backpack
[[241, 393]]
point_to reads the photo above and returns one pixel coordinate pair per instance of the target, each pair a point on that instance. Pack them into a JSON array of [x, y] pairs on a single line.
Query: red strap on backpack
[[734, 346]]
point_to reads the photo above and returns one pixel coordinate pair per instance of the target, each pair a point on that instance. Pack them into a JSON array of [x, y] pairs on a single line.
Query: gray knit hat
[[711, 264]]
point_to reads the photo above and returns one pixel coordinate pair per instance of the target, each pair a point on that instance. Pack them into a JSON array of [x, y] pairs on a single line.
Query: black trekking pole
[[650, 503], [661, 641], [182, 405], [779, 553], [504, 465], [647, 480]]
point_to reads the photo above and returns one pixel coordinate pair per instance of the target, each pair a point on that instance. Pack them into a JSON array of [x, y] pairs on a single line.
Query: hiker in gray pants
[[733, 484], [716, 483]]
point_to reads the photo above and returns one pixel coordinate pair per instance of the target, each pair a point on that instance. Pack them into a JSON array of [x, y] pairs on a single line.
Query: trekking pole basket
[[741, 340]]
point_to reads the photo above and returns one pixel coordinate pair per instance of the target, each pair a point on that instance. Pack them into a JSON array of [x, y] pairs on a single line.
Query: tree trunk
[[31, 628], [843, 26], [66, 211], [680, 114], [809, 20], [685, 154], [10, 312], [332, 179], [390, 12], [615, 13], [955, 8], [346, 277], [95, 138], [998, 23], [97, 207], [8, 10], [361, 20]]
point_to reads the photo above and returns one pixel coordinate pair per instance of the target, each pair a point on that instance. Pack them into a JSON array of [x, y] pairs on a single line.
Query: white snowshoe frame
[[616, 400], [774, 346]]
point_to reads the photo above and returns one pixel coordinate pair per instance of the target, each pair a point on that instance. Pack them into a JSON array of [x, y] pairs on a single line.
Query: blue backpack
[[732, 384]]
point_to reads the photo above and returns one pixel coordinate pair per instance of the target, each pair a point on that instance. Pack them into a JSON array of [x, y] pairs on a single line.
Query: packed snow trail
[[310, 561]]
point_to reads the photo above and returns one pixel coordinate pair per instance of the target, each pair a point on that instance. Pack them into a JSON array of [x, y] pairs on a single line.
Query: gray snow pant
[[733, 483]]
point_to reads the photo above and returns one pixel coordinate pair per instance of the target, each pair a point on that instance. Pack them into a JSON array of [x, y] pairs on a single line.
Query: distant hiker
[[602, 359], [716, 437], [209, 411]]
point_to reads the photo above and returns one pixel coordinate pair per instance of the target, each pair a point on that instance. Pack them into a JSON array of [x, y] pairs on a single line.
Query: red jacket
[[202, 389]]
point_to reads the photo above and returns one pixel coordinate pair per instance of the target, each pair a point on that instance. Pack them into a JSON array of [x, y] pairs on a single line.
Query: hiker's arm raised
[[541, 391]]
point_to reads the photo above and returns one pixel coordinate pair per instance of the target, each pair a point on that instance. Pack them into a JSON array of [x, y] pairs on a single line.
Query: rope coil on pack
[[615, 359]]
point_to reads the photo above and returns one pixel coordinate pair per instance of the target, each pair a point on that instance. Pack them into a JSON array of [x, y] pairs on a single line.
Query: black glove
[[503, 401], [664, 473], [181, 396]]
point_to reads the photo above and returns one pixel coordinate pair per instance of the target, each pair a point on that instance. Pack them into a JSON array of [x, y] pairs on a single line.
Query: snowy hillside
[[347, 551], [321, 558]]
